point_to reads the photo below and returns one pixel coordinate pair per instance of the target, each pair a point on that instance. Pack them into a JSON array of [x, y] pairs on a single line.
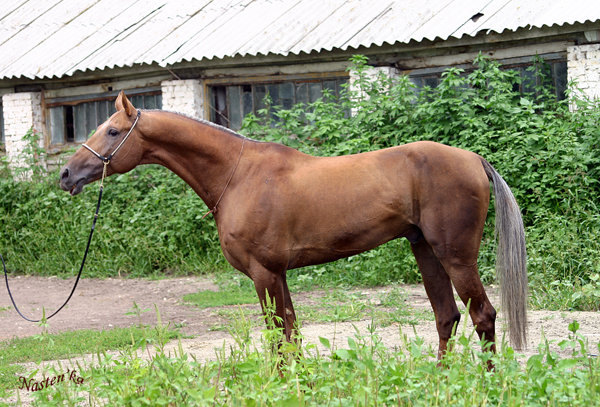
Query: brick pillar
[[372, 73], [22, 113], [184, 96], [583, 67]]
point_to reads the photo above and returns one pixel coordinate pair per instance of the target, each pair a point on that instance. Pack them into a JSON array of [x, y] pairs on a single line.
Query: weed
[[257, 371], [68, 344]]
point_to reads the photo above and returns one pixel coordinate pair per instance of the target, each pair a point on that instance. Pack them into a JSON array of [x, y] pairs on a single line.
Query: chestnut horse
[[277, 208]]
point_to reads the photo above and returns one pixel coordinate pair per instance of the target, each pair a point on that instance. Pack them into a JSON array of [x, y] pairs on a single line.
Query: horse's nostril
[[65, 173]]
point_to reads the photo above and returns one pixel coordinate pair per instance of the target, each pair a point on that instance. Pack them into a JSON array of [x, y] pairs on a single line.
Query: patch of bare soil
[[105, 304]]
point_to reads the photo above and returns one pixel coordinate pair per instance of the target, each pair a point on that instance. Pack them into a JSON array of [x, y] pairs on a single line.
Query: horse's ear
[[122, 103]]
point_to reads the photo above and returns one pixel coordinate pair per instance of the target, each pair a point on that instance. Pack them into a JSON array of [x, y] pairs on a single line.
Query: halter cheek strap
[[106, 160]]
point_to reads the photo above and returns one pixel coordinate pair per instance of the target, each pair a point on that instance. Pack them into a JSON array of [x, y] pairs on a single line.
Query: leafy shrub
[[150, 223]]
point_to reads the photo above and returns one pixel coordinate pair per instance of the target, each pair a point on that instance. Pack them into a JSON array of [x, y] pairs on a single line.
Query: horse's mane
[[202, 121]]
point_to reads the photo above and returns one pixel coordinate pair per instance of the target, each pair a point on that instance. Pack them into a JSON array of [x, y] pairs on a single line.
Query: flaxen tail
[[511, 259]]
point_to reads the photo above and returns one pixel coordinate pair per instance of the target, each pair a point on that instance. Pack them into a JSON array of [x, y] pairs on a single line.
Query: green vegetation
[[232, 296], [150, 222], [66, 345], [365, 373]]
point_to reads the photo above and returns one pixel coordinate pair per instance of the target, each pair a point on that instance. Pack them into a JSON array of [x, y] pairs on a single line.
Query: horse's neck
[[201, 154]]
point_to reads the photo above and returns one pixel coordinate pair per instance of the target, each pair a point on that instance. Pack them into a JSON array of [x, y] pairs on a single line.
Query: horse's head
[[85, 166]]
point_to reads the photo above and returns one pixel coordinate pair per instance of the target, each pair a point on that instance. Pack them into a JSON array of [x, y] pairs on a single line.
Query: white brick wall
[[183, 96], [22, 112], [372, 73], [583, 67]]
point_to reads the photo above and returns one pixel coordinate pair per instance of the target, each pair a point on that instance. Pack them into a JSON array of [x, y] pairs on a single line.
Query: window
[[72, 121], [229, 104], [557, 70], [422, 81], [554, 64]]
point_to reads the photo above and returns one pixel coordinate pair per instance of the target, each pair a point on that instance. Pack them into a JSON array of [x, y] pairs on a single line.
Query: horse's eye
[[113, 132]]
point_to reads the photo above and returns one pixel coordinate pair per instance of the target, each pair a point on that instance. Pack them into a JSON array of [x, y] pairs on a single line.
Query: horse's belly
[[318, 249]]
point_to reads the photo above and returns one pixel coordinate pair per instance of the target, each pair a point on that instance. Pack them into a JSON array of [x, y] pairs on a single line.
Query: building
[[63, 62]]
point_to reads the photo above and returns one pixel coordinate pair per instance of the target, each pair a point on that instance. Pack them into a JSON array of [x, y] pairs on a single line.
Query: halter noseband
[[106, 160]]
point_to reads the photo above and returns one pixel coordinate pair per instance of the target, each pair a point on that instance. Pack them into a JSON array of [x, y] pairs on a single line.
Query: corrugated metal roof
[[56, 38]]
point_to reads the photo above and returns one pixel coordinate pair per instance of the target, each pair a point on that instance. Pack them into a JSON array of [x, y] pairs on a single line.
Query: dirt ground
[[105, 304]]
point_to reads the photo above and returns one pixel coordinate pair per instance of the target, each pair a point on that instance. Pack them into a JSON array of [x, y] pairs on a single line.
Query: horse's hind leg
[[439, 290], [467, 283]]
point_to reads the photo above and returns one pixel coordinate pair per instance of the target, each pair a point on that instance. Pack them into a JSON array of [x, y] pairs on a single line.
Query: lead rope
[[87, 248]]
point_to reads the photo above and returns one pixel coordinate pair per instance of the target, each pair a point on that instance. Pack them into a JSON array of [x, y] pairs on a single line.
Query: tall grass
[[363, 373]]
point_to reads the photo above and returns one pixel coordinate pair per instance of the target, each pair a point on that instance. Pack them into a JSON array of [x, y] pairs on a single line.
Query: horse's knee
[[266, 283]]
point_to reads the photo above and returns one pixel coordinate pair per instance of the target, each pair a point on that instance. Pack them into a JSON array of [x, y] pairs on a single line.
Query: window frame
[[421, 76], [71, 103], [267, 80]]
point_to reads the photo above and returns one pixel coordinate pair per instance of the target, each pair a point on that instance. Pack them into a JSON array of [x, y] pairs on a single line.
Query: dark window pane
[[273, 91], [79, 123], [137, 101], [111, 109], [1, 123], [247, 105], [250, 98], [69, 124], [57, 125], [150, 102], [102, 111], [560, 79], [91, 121], [302, 93], [314, 91], [260, 91], [218, 111], [431, 81], [418, 81], [332, 87], [235, 111], [286, 95], [528, 80]]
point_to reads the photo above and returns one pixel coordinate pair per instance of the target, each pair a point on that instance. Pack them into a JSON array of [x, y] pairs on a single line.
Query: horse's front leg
[[274, 285]]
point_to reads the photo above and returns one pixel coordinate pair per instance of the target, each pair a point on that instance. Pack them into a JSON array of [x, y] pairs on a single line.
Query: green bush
[[150, 224], [150, 221]]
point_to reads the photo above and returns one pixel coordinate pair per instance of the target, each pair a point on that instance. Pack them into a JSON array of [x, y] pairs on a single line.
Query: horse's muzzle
[[68, 182]]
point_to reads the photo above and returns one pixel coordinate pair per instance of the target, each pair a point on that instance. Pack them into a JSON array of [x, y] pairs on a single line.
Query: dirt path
[[104, 304]]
